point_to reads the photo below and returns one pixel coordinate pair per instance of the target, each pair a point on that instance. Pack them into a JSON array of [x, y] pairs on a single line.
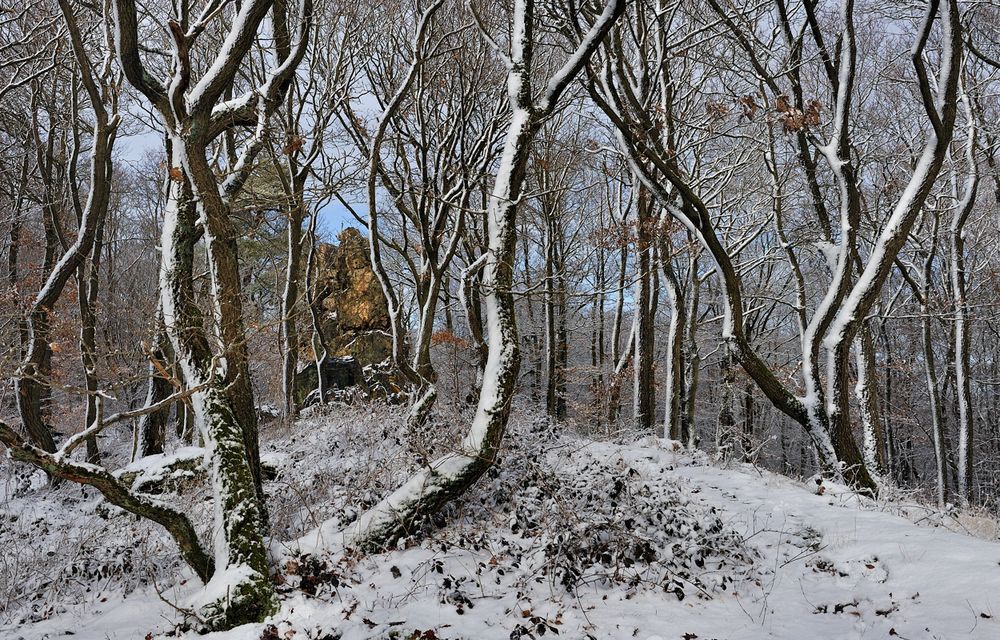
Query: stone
[[354, 315], [339, 374]]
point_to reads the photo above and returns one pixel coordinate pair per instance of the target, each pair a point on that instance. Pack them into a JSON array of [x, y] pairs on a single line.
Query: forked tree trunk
[[240, 555], [966, 460], [825, 417], [930, 372]]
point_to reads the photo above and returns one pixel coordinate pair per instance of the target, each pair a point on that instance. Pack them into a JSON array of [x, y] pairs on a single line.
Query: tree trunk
[[934, 398], [866, 391], [725, 435], [240, 554], [88, 286], [152, 427], [693, 356], [289, 302], [673, 421], [644, 394], [966, 459], [750, 454], [453, 473]]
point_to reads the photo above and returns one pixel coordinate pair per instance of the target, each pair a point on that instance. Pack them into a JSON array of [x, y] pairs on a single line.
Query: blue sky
[[334, 217]]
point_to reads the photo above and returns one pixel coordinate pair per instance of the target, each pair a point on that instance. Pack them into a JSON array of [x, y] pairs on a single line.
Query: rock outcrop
[[354, 321], [353, 311], [340, 375]]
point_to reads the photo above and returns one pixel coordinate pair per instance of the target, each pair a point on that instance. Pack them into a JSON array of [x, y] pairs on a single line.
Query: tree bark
[[644, 390]]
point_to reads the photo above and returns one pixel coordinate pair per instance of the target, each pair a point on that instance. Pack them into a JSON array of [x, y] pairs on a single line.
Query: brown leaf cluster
[[793, 119]]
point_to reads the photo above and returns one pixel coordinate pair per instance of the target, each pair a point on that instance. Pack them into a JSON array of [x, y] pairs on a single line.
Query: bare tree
[[452, 473], [625, 97], [195, 114]]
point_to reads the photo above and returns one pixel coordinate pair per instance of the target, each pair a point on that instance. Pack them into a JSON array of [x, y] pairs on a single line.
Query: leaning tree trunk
[[32, 382], [451, 474], [175, 522]]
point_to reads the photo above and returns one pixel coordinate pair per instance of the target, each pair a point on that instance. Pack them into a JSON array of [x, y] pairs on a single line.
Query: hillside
[[568, 537]]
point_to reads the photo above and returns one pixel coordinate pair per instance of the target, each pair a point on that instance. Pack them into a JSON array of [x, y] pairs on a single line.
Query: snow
[[830, 253], [151, 465], [175, 466], [907, 207], [898, 223], [223, 585], [558, 81], [245, 20], [797, 562]]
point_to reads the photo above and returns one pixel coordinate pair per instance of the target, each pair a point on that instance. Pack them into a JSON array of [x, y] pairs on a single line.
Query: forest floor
[[567, 536]]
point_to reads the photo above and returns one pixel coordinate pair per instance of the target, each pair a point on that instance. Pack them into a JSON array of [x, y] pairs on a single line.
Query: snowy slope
[[585, 540]]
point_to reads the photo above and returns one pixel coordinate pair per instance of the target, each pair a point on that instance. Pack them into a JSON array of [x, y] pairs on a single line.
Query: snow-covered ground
[[583, 539]]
